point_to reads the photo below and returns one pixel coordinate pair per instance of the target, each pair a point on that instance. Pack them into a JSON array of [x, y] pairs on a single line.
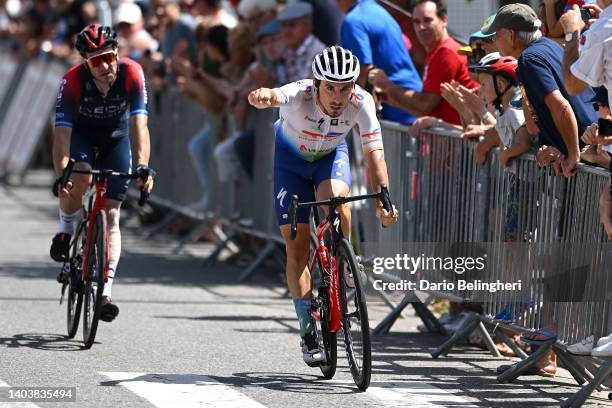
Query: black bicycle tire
[[98, 237], [362, 375], [328, 341], [75, 287]]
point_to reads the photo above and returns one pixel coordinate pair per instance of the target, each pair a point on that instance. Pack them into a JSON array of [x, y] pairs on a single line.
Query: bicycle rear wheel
[[75, 283], [327, 340], [95, 281], [355, 324]]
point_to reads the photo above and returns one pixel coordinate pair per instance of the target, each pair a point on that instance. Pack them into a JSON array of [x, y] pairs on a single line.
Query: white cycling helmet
[[335, 64]]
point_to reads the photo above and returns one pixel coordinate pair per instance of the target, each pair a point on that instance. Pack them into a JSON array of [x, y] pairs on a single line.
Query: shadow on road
[[42, 341]]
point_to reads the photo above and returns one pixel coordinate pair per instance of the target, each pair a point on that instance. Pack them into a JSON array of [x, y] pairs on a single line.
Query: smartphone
[[585, 15], [605, 127]]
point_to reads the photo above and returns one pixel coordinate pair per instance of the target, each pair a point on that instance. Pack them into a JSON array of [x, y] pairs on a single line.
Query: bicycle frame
[[99, 204], [329, 272]]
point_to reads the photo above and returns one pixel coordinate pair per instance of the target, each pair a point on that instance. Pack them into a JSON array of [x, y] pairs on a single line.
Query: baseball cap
[[467, 50], [128, 13], [270, 28], [294, 11], [515, 16], [479, 35]]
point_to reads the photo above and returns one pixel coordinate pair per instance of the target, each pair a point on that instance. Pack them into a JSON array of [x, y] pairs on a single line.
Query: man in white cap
[[130, 24]]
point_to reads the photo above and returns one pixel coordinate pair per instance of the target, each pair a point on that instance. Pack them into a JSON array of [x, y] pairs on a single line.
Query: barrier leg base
[[385, 298], [521, 367], [464, 331], [428, 318], [386, 324], [510, 343], [195, 233], [155, 229], [579, 373], [212, 258], [263, 254], [581, 396], [487, 339]]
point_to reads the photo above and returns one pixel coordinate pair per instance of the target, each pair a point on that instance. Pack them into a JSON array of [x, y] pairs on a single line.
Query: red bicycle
[[86, 271], [339, 302]]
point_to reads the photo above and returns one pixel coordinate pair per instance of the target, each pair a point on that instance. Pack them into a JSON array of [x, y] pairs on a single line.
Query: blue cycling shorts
[[116, 154], [294, 175]]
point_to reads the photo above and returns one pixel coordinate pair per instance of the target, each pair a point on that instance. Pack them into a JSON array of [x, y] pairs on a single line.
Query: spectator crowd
[[530, 79], [553, 98]]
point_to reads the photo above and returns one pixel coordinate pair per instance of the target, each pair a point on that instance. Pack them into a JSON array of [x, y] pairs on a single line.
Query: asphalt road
[[191, 336]]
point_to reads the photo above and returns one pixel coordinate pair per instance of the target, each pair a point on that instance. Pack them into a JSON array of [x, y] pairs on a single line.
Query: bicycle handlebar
[[144, 196], [383, 195]]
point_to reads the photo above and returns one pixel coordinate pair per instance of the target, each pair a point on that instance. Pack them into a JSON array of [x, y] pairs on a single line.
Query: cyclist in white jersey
[[316, 115]]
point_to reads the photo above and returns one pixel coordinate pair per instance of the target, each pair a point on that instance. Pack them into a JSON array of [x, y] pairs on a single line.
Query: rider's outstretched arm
[[263, 98]]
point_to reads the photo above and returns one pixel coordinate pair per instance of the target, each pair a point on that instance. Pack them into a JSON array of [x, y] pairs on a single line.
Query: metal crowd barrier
[[27, 100], [245, 206], [447, 198]]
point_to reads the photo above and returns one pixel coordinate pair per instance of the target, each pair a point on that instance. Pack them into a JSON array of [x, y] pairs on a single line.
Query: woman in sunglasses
[[98, 102]]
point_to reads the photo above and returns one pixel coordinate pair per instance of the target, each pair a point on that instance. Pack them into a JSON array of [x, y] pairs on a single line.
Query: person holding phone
[[587, 62]]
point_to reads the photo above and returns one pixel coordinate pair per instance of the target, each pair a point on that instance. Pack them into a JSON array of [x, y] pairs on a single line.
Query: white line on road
[[182, 390], [411, 394]]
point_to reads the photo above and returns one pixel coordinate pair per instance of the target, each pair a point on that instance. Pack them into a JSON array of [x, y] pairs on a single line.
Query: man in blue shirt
[[560, 117], [373, 36]]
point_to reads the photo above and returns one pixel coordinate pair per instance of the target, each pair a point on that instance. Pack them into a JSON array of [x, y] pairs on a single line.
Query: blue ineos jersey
[[81, 106]]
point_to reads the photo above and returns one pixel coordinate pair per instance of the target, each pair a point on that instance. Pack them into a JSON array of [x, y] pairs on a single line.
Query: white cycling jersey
[[304, 129]]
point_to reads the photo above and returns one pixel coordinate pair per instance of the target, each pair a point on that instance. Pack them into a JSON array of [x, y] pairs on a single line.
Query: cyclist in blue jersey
[[316, 115], [98, 102]]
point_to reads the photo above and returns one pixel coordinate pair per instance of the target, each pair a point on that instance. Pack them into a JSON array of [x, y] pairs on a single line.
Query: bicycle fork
[[331, 285]]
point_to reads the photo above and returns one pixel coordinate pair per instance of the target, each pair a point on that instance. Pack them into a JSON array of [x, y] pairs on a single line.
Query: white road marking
[[182, 390], [413, 394]]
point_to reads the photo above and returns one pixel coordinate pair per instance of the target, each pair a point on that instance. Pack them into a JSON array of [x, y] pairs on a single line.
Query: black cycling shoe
[[108, 310], [60, 247]]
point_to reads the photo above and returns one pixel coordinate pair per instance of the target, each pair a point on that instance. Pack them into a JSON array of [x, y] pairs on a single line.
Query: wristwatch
[[569, 37], [487, 116]]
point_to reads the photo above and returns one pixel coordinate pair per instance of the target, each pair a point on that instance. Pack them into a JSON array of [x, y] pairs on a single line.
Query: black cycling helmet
[[95, 37]]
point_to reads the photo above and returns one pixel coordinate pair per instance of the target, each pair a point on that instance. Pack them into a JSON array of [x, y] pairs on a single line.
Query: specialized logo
[[281, 196], [337, 225], [340, 163]]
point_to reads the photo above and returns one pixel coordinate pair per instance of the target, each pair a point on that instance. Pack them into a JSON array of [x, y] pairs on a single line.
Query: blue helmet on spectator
[[335, 64]]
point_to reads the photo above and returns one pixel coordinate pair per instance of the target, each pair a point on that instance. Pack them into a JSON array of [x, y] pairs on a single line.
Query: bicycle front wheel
[[355, 324], [94, 286], [75, 282]]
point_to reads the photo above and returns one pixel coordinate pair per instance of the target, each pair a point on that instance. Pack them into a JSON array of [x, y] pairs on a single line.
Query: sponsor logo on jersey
[[281, 196], [103, 111]]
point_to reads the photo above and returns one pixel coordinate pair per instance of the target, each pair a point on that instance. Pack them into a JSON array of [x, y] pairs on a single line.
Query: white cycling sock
[[67, 221], [108, 286], [114, 253]]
